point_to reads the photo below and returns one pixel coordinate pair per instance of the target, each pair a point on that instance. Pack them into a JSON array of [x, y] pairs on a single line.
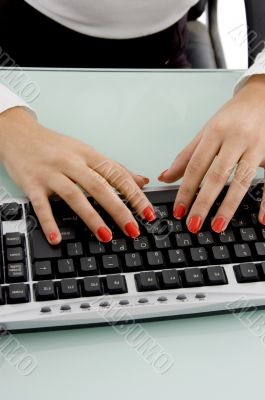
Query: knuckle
[[217, 175], [193, 166], [202, 205], [70, 193], [185, 191]]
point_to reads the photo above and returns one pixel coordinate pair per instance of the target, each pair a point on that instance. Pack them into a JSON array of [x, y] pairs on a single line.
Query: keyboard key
[[16, 272], [262, 270], [246, 272], [68, 288], [248, 234], [227, 237], [17, 293], [221, 255], [2, 296], [155, 259], [96, 247], [162, 242], [133, 262], [174, 226], [141, 243], [118, 245], [199, 256], [161, 211], [146, 281], [13, 239], [88, 266], [68, 233], [205, 238], [260, 250], [14, 254], [177, 258], [242, 252], [192, 277], [157, 227], [170, 279], [116, 284], [45, 290], [215, 276], [74, 249], [183, 240], [11, 211], [42, 270], [239, 221], [110, 264], [41, 249], [65, 268], [92, 286]]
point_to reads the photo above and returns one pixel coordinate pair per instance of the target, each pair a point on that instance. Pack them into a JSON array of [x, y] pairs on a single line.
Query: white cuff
[[257, 68], [8, 100]]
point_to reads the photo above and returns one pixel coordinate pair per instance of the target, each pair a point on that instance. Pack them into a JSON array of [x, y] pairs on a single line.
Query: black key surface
[[13, 239], [2, 296], [174, 226], [133, 261], [11, 211], [242, 252], [65, 268], [16, 272], [177, 258], [162, 242], [18, 293], [248, 234], [246, 272], [92, 286], [88, 266], [146, 281], [96, 247], [45, 290], [68, 233], [41, 249], [161, 211], [42, 270], [192, 277], [205, 238], [116, 284], [68, 288], [141, 243], [239, 221], [118, 245], [155, 259], [170, 279], [227, 237], [199, 256], [74, 249], [221, 254], [14, 254], [183, 240], [110, 264], [260, 250], [215, 276]]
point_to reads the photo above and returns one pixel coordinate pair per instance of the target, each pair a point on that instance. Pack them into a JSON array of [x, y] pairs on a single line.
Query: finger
[[245, 173], [121, 180], [42, 208], [262, 206], [76, 199], [104, 194], [177, 168], [212, 185], [196, 169], [139, 179]]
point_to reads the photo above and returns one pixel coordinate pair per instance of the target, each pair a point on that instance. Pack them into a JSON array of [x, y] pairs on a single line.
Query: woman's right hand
[[43, 162]]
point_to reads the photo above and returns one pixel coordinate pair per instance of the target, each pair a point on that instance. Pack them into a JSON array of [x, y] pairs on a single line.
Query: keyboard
[[166, 272]]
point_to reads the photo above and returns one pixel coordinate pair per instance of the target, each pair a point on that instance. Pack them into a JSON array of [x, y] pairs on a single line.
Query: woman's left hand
[[232, 141]]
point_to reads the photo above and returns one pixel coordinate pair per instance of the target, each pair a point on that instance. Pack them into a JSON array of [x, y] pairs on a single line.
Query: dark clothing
[[33, 40]]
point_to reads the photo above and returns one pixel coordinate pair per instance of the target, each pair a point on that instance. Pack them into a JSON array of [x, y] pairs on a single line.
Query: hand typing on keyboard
[[233, 139], [43, 162]]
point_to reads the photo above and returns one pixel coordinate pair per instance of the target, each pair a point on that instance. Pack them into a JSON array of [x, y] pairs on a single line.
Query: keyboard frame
[[218, 299]]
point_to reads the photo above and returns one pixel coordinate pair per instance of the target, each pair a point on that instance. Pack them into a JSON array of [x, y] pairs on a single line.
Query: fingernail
[[149, 214], [195, 224], [161, 176], [132, 229], [218, 224], [104, 234], [52, 236], [146, 180], [179, 211], [263, 219]]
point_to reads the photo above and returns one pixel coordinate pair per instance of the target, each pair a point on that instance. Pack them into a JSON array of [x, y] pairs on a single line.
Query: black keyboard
[[165, 272]]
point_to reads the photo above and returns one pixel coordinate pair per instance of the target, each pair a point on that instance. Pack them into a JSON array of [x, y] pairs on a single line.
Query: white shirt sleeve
[[257, 68], [8, 99]]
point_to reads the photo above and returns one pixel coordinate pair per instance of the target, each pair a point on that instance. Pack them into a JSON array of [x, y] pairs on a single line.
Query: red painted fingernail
[[161, 176], [104, 234], [52, 236], [195, 224], [149, 214], [263, 219], [179, 211], [218, 224], [146, 180], [132, 229]]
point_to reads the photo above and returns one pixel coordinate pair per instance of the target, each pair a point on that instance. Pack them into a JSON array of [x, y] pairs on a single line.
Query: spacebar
[[41, 249]]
